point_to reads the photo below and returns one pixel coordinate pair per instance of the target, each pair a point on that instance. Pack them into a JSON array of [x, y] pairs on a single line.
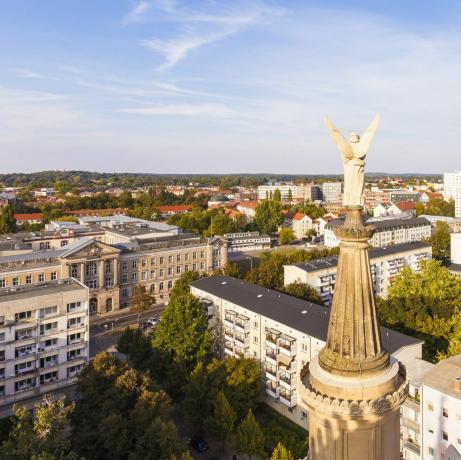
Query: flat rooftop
[[374, 253], [388, 224], [27, 291], [443, 375], [298, 314]]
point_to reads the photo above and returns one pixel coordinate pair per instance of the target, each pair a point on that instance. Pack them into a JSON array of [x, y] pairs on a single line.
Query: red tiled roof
[[298, 216], [175, 208], [406, 205], [29, 216], [95, 212]]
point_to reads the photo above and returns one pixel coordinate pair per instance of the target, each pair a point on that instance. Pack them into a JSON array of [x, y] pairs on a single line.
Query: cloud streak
[[188, 110]]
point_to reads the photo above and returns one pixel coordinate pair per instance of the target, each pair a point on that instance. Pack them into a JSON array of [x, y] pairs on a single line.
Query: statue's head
[[355, 137]]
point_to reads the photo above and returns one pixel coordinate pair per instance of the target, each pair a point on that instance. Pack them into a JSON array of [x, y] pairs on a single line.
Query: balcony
[[287, 399], [49, 380], [271, 390], [412, 446], [412, 403], [411, 424], [271, 374], [228, 322], [50, 363], [28, 370], [288, 382], [271, 339], [75, 325], [271, 358], [241, 340], [74, 357], [241, 326]]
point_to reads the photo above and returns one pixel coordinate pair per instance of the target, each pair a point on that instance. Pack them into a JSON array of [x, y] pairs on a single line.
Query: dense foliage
[[7, 221], [427, 305], [436, 207], [440, 241], [268, 216]]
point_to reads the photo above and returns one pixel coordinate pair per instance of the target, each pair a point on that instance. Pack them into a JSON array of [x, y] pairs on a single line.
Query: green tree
[[277, 195], [220, 224], [249, 437], [182, 285], [183, 331], [281, 453], [303, 291], [7, 220], [290, 196], [286, 235], [232, 270], [221, 424], [268, 216], [142, 300], [45, 435], [441, 241]]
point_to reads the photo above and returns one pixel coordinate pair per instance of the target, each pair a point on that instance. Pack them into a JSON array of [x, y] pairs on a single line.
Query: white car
[[153, 321]]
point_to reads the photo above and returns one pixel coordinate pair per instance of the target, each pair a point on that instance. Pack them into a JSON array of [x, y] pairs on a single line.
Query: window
[[202, 254], [153, 273], [24, 384], [186, 268], [41, 277], [92, 284], [160, 287], [178, 257], [134, 276], [124, 265], [134, 264], [49, 343], [23, 315], [430, 406], [23, 367], [54, 276], [15, 281], [124, 293], [49, 361], [2, 320], [255, 339], [29, 279], [445, 412], [72, 322], [124, 278], [161, 260], [170, 271], [194, 267], [255, 325], [2, 355], [153, 261], [73, 271], [47, 311], [2, 283], [202, 265], [170, 284], [2, 336], [74, 338], [430, 450], [194, 255], [108, 282], [64, 243], [144, 262], [144, 276], [108, 266], [186, 257], [74, 354], [48, 328], [444, 435], [44, 245], [90, 269], [49, 377], [431, 430], [170, 259], [162, 272]]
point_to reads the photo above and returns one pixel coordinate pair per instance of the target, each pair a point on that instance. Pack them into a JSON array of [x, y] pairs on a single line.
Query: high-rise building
[[331, 192], [452, 189], [288, 192]]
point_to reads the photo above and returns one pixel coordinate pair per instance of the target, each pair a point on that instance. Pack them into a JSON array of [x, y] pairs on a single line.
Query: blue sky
[[167, 86]]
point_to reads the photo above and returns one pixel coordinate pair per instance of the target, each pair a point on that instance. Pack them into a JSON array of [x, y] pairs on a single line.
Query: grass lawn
[[278, 428]]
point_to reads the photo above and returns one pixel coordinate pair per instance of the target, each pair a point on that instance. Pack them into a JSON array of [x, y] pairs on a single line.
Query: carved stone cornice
[[318, 401]]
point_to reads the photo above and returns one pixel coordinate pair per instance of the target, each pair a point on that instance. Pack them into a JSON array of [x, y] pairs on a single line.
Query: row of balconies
[[286, 397]]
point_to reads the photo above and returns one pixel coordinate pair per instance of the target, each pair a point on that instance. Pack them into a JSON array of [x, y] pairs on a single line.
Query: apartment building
[[411, 410], [452, 189], [279, 331], [266, 192], [386, 264], [301, 225], [112, 270], [441, 406], [331, 192], [43, 339], [307, 192], [247, 241], [388, 231]]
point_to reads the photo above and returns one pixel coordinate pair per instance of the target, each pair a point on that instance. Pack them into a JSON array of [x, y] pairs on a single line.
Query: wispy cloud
[[189, 110], [197, 29], [137, 14], [26, 73]]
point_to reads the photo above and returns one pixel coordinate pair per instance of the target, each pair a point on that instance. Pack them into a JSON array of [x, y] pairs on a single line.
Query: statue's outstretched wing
[[343, 146], [368, 135]]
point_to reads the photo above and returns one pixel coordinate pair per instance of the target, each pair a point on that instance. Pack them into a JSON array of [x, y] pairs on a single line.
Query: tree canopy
[[268, 216]]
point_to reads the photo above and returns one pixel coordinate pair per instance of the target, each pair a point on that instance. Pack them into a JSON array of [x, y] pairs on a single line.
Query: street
[[102, 334]]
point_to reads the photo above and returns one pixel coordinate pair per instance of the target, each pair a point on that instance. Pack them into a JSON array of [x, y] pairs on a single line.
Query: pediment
[[90, 250]]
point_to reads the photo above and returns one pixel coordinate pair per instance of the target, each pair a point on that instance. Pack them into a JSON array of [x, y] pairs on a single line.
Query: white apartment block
[[301, 224], [452, 189], [411, 413], [266, 192], [331, 192], [279, 331], [43, 339], [388, 231], [441, 405], [386, 264]]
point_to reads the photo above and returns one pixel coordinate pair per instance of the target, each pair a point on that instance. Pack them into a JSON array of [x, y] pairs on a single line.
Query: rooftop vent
[[304, 312], [224, 282], [259, 296], [457, 384]]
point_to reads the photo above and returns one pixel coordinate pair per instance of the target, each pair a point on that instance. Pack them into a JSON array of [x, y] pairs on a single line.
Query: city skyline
[[178, 87]]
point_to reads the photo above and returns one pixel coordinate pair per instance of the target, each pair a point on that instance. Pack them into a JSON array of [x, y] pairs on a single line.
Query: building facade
[[112, 271], [247, 241], [331, 192], [266, 192], [386, 264], [452, 189], [279, 331], [388, 231], [43, 339]]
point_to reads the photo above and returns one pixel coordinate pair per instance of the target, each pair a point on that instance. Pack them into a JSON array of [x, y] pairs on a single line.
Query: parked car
[[143, 325], [153, 321], [198, 444]]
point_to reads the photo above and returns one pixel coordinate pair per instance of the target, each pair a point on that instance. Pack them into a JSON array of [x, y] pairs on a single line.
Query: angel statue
[[353, 154]]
